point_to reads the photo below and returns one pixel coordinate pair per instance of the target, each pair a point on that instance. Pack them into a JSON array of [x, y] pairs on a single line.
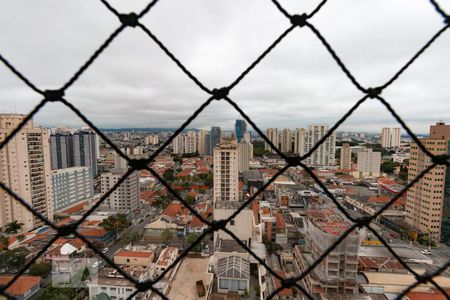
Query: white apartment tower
[[346, 157], [178, 144], [299, 141], [126, 197], [286, 141], [390, 137], [201, 141], [25, 167], [323, 156], [226, 167], [368, 163], [272, 135], [190, 142]]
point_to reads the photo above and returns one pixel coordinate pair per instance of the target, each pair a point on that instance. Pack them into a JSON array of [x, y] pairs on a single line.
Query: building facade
[[428, 201], [272, 135], [240, 128], [299, 141], [245, 155], [25, 167], [390, 137], [226, 168], [286, 141], [126, 197], [71, 186], [323, 156], [346, 157], [368, 163], [215, 137]]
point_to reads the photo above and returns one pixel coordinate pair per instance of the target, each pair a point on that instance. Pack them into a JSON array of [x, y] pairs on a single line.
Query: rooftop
[[233, 267], [328, 220], [23, 284], [130, 253]]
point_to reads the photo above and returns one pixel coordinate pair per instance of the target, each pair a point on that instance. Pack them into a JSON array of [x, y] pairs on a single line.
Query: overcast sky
[[134, 84]]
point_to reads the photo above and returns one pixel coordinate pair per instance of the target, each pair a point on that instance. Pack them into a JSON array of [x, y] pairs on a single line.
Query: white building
[[71, 186], [390, 137], [190, 142], [226, 171], [152, 139], [368, 163], [323, 156], [178, 144], [25, 168], [286, 141], [201, 141], [299, 141]]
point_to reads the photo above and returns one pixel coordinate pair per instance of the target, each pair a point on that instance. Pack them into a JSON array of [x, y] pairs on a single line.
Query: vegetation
[[167, 236], [189, 199], [56, 293], [188, 155], [389, 166], [168, 175], [115, 223], [271, 247], [162, 201], [191, 238], [259, 148], [42, 269], [4, 242], [129, 236], [13, 227], [13, 260]]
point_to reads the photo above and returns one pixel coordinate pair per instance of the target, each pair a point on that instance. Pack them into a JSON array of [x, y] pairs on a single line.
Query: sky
[[134, 84]]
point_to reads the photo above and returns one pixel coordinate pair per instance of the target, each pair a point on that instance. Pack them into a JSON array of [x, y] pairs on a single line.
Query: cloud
[[134, 84]]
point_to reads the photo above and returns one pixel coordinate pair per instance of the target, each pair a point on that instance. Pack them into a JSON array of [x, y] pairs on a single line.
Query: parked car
[[426, 252], [96, 264], [105, 250]]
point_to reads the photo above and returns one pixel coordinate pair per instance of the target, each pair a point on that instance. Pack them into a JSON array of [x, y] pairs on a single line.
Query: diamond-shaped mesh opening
[[299, 21]]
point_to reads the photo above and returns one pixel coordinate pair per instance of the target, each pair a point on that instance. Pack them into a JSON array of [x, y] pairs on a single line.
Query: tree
[[167, 236], [271, 247], [12, 260], [189, 199], [42, 269], [168, 175], [13, 227], [56, 293], [4, 242], [129, 236], [389, 166], [191, 238], [115, 223], [20, 237]]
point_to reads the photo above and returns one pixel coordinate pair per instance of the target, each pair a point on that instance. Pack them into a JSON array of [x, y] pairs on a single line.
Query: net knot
[[288, 282], [138, 164], [130, 19], [364, 222], [299, 20], [144, 285], [373, 92], [53, 95], [422, 278], [293, 161], [218, 224], [221, 93], [447, 20], [441, 159], [66, 230]]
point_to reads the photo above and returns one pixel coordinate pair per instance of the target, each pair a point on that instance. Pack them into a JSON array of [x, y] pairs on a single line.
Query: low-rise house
[[134, 258], [23, 288], [165, 259]]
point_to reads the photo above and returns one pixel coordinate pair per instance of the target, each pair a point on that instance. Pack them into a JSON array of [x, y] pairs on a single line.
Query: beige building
[[427, 207], [245, 155], [299, 141], [286, 141], [178, 144], [133, 258], [25, 168], [272, 135], [368, 163], [390, 137], [152, 139], [346, 157], [126, 197], [190, 142], [201, 141], [226, 168], [323, 156]]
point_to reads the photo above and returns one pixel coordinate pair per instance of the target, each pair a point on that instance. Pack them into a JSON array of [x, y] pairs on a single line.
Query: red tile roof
[[426, 296], [129, 253], [173, 209], [23, 284], [280, 224]]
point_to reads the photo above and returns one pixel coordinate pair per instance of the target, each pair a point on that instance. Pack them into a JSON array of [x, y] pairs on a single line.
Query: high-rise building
[[428, 200], [299, 141], [286, 141], [346, 157], [368, 163], [272, 135], [390, 137], [152, 139], [215, 137], [71, 186], [25, 167], [240, 127], [178, 144], [190, 142], [245, 155], [74, 150], [126, 197], [247, 137], [323, 156], [208, 150], [226, 171], [201, 141]]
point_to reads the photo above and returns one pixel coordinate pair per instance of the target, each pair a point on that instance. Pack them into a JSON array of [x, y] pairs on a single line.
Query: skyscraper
[[126, 197], [368, 163], [226, 180], [201, 141], [272, 135], [215, 136], [346, 157], [323, 156], [428, 201], [74, 150], [286, 141], [299, 141], [25, 168], [240, 128], [395, 137], [190, 142], [178, 144]]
